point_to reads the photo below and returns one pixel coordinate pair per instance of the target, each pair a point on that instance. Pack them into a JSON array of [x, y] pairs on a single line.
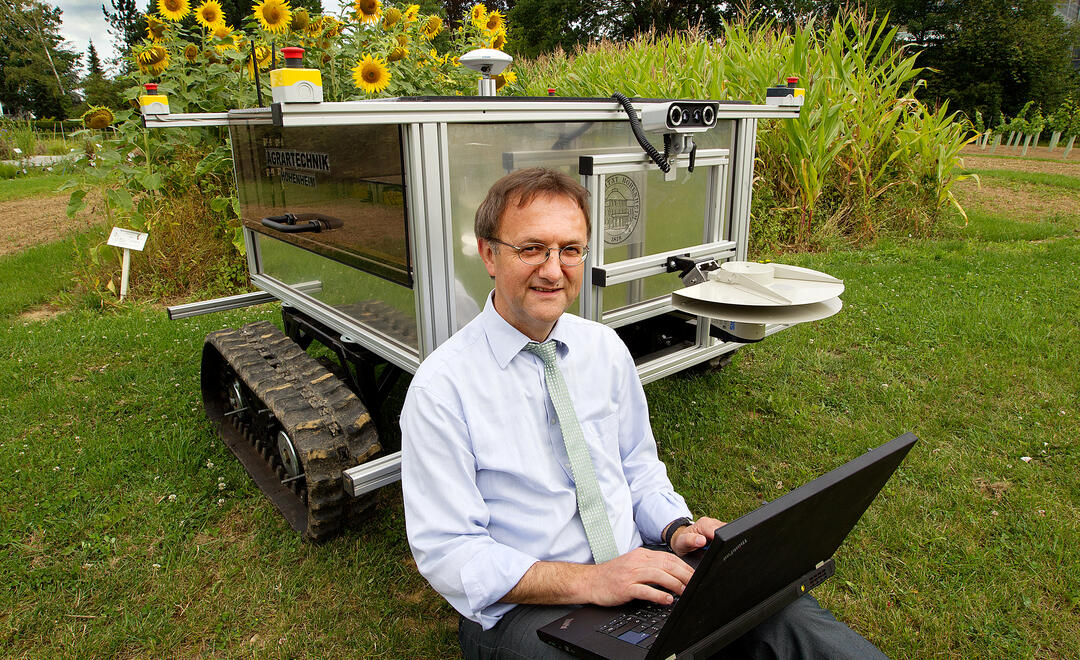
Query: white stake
[[124, 274]]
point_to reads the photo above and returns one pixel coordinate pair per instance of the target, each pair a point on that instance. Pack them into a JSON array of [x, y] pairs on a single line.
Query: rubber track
[[330, 428]]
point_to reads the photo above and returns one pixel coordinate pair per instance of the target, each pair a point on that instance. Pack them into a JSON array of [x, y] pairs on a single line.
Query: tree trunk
[[997, 141], [1054, 137], [1027, 143], [1068, 147]]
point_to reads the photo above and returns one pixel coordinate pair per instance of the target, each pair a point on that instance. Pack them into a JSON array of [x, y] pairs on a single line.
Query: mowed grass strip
[[1040, 178], [31, 186], [128, 529], [38, 274]]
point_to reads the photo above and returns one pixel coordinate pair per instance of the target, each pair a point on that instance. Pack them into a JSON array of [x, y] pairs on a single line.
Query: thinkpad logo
[[566, 623]]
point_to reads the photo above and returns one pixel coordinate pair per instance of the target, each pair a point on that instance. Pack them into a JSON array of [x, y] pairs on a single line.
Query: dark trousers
[[801, 630]]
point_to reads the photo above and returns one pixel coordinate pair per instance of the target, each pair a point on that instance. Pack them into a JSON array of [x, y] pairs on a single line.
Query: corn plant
[[852, 143]]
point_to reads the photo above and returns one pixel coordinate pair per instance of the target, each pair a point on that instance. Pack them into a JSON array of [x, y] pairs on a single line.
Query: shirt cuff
[[489, 576], [656, 511]]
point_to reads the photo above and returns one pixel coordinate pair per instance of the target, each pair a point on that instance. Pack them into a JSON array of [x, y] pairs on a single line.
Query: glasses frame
[[547, 254]]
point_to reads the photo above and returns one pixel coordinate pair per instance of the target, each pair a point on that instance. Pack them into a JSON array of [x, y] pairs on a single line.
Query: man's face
[[532, 298]]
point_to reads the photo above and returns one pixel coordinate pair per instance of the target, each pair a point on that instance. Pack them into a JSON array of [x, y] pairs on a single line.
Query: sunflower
[[478, 14], [397, 54], [173, 10], [402, 40], [371, 74], [155, 29], [191, 53], [262, 55], [98, 117], [494, 21], [227, 40], [300, 20], [499, 41], [505, 78], [432, 27], [411, 13], [332, 26], [152, 59], [314, 27], [391, 17], [209, 14], [273, 15], [368, 11]]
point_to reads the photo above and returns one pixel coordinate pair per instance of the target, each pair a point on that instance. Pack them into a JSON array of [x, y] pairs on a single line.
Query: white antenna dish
[[487, 61], [747, 295]]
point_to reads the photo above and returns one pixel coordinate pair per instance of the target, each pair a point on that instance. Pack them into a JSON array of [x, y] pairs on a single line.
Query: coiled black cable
[[635, 125]]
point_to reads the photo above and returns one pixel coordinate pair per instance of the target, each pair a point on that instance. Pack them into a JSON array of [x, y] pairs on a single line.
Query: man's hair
[[521, 188]]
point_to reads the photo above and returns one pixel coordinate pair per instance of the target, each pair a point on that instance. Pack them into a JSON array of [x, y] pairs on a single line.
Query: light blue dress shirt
[[487, 484]]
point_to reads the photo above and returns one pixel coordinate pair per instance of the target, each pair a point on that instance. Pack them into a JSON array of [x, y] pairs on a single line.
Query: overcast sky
[[84, 21]]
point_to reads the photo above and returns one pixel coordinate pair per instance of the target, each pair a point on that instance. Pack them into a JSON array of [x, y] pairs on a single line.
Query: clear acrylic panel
[[672, 214]]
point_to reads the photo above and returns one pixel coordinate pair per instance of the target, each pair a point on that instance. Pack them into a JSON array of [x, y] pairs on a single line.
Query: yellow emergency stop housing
[[296, 85], [153, 104]]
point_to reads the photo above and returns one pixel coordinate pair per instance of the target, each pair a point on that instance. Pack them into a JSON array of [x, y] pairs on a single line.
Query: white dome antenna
[[489, 63]]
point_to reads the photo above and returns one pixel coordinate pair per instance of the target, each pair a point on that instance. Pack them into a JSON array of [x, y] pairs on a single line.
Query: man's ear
[[487, 253]]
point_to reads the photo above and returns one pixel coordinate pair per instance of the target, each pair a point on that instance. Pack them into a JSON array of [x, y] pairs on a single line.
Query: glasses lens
[[573, 255], [533, 254]]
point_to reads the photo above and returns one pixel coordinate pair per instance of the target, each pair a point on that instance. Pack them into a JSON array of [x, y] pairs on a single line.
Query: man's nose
[[552, 268]]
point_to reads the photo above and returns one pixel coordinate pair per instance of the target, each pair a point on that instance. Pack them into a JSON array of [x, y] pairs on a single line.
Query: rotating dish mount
[[746, 295]]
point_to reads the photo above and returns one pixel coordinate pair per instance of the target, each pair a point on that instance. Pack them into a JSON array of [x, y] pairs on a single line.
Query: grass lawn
[[30, 186], [128, 529]]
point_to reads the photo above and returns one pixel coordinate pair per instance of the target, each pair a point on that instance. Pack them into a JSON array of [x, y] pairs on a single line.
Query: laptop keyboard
[[640, 626]]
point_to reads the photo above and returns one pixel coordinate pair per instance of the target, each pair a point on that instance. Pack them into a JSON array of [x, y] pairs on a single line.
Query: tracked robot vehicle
[[358, 217]]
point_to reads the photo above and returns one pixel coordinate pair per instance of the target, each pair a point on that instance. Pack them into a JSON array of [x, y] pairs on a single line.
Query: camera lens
[[686, 115], [697, 116]]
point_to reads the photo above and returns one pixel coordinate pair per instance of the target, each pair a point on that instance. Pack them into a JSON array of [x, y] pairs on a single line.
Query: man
[[505, 518]]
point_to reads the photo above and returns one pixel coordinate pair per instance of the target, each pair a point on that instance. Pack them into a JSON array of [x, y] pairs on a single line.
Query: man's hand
[[637, 574], [693, 537]]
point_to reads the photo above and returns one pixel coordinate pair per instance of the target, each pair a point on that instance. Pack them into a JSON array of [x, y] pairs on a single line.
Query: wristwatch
[[669, 531]]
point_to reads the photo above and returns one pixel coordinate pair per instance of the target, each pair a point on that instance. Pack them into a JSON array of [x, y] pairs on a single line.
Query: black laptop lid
[[768, 548]]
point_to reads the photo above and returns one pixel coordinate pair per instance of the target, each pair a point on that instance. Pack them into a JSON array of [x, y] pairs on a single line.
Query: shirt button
[[552, 421]]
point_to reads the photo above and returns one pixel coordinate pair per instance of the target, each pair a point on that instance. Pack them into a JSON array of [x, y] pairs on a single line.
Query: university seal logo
[[622, 208]]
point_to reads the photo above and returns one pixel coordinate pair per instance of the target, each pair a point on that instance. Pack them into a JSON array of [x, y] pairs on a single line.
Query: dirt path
[[35, 220]]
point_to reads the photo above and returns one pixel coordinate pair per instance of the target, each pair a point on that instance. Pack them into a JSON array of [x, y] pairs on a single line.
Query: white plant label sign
[[127, 239]]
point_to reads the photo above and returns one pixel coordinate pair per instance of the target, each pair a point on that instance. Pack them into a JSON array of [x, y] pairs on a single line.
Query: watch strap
[[672, 527]]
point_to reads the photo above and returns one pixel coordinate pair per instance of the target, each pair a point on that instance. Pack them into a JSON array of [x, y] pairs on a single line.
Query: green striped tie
[[590, 501]]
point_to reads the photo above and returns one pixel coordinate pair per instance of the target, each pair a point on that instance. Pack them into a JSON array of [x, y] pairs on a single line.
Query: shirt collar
[[506, 341]]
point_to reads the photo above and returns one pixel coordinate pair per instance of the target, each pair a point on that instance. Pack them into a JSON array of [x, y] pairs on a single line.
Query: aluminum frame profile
[[742, 185], [429, 231], [482, 110]]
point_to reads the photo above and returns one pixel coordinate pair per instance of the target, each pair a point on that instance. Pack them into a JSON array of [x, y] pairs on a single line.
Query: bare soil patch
[[35, 220], [1020, 201], [975, 158]]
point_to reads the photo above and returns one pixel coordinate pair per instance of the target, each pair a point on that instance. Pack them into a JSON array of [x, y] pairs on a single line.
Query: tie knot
[[545, 351]]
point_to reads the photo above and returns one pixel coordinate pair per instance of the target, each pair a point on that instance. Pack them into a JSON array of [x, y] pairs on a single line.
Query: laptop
[[754, 567]]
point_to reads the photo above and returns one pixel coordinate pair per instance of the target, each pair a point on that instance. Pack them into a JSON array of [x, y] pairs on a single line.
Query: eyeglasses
[[535, 254]]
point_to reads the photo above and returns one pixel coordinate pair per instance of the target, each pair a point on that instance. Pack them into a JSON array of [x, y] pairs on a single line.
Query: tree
[[37, 74], [990, 56], [127, 26], [540, 26], [97, 88]]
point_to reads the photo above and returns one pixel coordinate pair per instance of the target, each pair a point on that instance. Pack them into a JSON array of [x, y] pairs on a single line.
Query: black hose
[[635, 126]]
